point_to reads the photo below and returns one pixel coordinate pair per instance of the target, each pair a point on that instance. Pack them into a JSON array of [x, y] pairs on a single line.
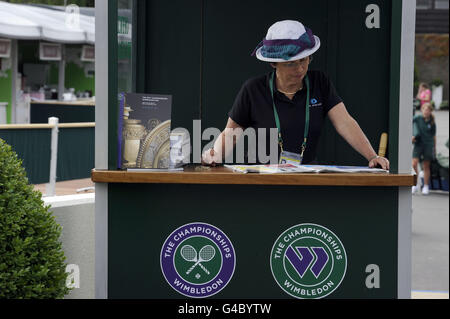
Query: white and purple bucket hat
[[287, 40]]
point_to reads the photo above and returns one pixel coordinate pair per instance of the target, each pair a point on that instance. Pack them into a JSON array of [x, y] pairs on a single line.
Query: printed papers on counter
[[290, 168]]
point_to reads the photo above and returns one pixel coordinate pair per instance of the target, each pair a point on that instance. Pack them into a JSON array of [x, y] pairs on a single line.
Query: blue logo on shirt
[[315, 103]]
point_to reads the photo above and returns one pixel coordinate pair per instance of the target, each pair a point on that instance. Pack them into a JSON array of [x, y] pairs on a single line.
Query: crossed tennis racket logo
[[205, 254]]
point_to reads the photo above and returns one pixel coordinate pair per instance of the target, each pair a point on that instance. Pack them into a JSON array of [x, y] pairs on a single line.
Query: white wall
[[76, 215]]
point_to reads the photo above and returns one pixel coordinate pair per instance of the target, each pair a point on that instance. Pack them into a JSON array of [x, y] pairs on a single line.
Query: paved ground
[[430, 231], [430, 242], [69, 187]]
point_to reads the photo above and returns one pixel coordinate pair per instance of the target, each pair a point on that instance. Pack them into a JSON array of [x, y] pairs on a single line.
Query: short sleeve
[[416, 130], [433, 130], [330, 94], [240, 112]]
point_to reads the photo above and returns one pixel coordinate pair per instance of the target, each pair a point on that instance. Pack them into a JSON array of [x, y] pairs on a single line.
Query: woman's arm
[[427, 95], [349, 129]]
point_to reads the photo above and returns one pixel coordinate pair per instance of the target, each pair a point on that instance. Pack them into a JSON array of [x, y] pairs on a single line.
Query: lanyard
[[277, 120]]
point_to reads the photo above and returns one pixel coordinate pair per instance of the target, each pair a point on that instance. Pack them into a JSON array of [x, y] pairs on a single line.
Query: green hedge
[[31, 257]]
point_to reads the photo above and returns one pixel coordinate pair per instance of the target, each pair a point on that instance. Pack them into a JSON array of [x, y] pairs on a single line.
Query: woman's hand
[[211, 158], [379, 161]]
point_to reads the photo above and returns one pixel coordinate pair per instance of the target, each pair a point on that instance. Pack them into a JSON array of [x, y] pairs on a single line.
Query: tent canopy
[[36, 23]]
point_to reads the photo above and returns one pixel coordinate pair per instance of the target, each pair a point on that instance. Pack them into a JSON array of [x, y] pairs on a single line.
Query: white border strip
[[45, 126], [101, 148], [69, 200], [406, 87], [404, 271]]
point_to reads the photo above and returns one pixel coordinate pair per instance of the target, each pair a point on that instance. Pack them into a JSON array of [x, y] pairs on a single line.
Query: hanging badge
[[290, 158]]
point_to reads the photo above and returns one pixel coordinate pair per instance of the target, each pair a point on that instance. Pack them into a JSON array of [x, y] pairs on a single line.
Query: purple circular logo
[[198, 260]]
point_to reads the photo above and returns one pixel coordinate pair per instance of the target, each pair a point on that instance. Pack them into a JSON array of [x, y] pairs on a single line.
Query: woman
[[424, 94], [279, 99], [424, 139]]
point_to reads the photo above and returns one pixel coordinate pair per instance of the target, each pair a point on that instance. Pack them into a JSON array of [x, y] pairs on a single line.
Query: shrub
[[31, 257], [436, 82]]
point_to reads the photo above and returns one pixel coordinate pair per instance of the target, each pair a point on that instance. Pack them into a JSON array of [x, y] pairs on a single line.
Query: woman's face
[[293, 71], [422, 88], [426, 111]]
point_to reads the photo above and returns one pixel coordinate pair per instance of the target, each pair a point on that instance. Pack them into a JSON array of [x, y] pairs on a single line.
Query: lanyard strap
[[277, 119]]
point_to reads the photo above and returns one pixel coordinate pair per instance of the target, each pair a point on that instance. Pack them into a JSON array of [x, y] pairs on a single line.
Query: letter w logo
[[314, 258]]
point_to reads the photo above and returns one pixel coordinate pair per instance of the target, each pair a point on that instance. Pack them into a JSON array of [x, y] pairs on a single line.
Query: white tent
[[36, 23], [29, 22]]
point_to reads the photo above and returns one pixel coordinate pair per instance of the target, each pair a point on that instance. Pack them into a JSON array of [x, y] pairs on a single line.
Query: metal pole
[[15, 62], [50, 187], [62, 73]]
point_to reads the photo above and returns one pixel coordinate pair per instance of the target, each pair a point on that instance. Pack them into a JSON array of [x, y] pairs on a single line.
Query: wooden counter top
[[222, 175]]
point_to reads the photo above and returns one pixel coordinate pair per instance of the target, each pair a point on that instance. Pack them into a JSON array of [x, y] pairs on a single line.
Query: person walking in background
[[424, 94], [424, 140]]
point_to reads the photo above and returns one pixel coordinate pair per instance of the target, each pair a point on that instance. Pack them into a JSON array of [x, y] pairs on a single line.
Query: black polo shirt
[[253, 107]]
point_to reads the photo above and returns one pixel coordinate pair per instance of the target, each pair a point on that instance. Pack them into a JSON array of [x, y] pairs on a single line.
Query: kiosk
[[274, 236]]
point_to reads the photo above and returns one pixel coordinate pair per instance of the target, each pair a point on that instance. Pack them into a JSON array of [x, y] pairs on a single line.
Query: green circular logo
[[308, 261]]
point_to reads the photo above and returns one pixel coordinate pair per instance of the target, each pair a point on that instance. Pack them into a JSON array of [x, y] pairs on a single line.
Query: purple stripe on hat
[[306, 41]]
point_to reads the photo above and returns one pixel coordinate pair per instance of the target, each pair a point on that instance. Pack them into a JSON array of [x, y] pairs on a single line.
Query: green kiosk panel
[[340, 224], [213, 233]]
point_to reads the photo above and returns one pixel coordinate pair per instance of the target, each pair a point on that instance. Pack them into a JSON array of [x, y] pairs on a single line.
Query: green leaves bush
[[31, 257]]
